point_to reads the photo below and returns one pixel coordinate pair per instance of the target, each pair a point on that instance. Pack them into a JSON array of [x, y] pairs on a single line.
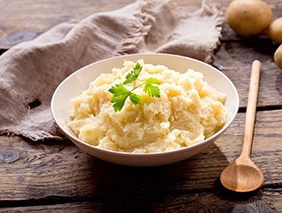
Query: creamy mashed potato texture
[[188, 111]]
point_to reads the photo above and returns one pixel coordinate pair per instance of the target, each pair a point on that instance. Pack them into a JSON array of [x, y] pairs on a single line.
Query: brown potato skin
[[248, 17], [274, 30], [278, 56]]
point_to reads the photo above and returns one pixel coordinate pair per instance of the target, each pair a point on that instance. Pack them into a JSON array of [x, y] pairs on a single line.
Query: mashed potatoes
[[187, 112]]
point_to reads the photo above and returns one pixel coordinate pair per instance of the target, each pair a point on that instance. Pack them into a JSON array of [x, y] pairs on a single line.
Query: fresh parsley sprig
[[121, 93]]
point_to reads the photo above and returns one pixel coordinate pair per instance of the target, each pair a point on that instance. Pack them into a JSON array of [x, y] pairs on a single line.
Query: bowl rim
[[211, 138]]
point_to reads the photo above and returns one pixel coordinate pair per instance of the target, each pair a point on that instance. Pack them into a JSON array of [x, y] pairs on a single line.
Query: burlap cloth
[[31, 71]]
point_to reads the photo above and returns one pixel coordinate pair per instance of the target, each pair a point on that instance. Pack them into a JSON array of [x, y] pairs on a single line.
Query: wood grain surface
[[62, 176], [57, 176]]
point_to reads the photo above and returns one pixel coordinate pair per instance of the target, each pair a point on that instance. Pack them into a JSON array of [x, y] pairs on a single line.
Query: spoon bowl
[[243, 175]]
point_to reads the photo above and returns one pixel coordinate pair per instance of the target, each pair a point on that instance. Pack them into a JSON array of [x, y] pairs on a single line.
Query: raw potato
[[248, 17], [278, 56], [274, 30]]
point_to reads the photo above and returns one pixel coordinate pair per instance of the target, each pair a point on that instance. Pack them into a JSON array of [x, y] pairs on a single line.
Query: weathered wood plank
[[27, 168], [270, 201], [25, 20], [235, 59]]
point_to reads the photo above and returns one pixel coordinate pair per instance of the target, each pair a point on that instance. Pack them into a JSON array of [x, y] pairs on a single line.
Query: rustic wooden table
[[57, 176]]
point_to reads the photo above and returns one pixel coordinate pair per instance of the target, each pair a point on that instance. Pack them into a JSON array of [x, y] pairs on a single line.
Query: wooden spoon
[[243, 175]]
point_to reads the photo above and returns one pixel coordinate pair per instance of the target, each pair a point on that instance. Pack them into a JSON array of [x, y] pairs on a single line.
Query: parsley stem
[[138, 86]]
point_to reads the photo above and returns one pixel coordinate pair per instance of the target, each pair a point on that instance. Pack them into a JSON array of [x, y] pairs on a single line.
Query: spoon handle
[[251, 109]]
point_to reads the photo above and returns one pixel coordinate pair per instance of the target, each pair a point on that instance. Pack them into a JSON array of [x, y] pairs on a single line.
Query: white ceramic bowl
[[79, 81]]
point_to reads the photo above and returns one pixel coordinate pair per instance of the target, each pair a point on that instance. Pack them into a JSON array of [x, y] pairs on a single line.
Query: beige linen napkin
[[31, 71]]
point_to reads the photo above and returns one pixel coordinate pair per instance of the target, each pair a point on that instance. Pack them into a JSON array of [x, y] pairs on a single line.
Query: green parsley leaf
[[118, 90], [133, 75], [152, 90], [152, 81], [135, 99], [121, 93]]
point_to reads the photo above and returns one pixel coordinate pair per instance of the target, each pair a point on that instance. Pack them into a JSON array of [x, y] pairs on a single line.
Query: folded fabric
[[31, 71]]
